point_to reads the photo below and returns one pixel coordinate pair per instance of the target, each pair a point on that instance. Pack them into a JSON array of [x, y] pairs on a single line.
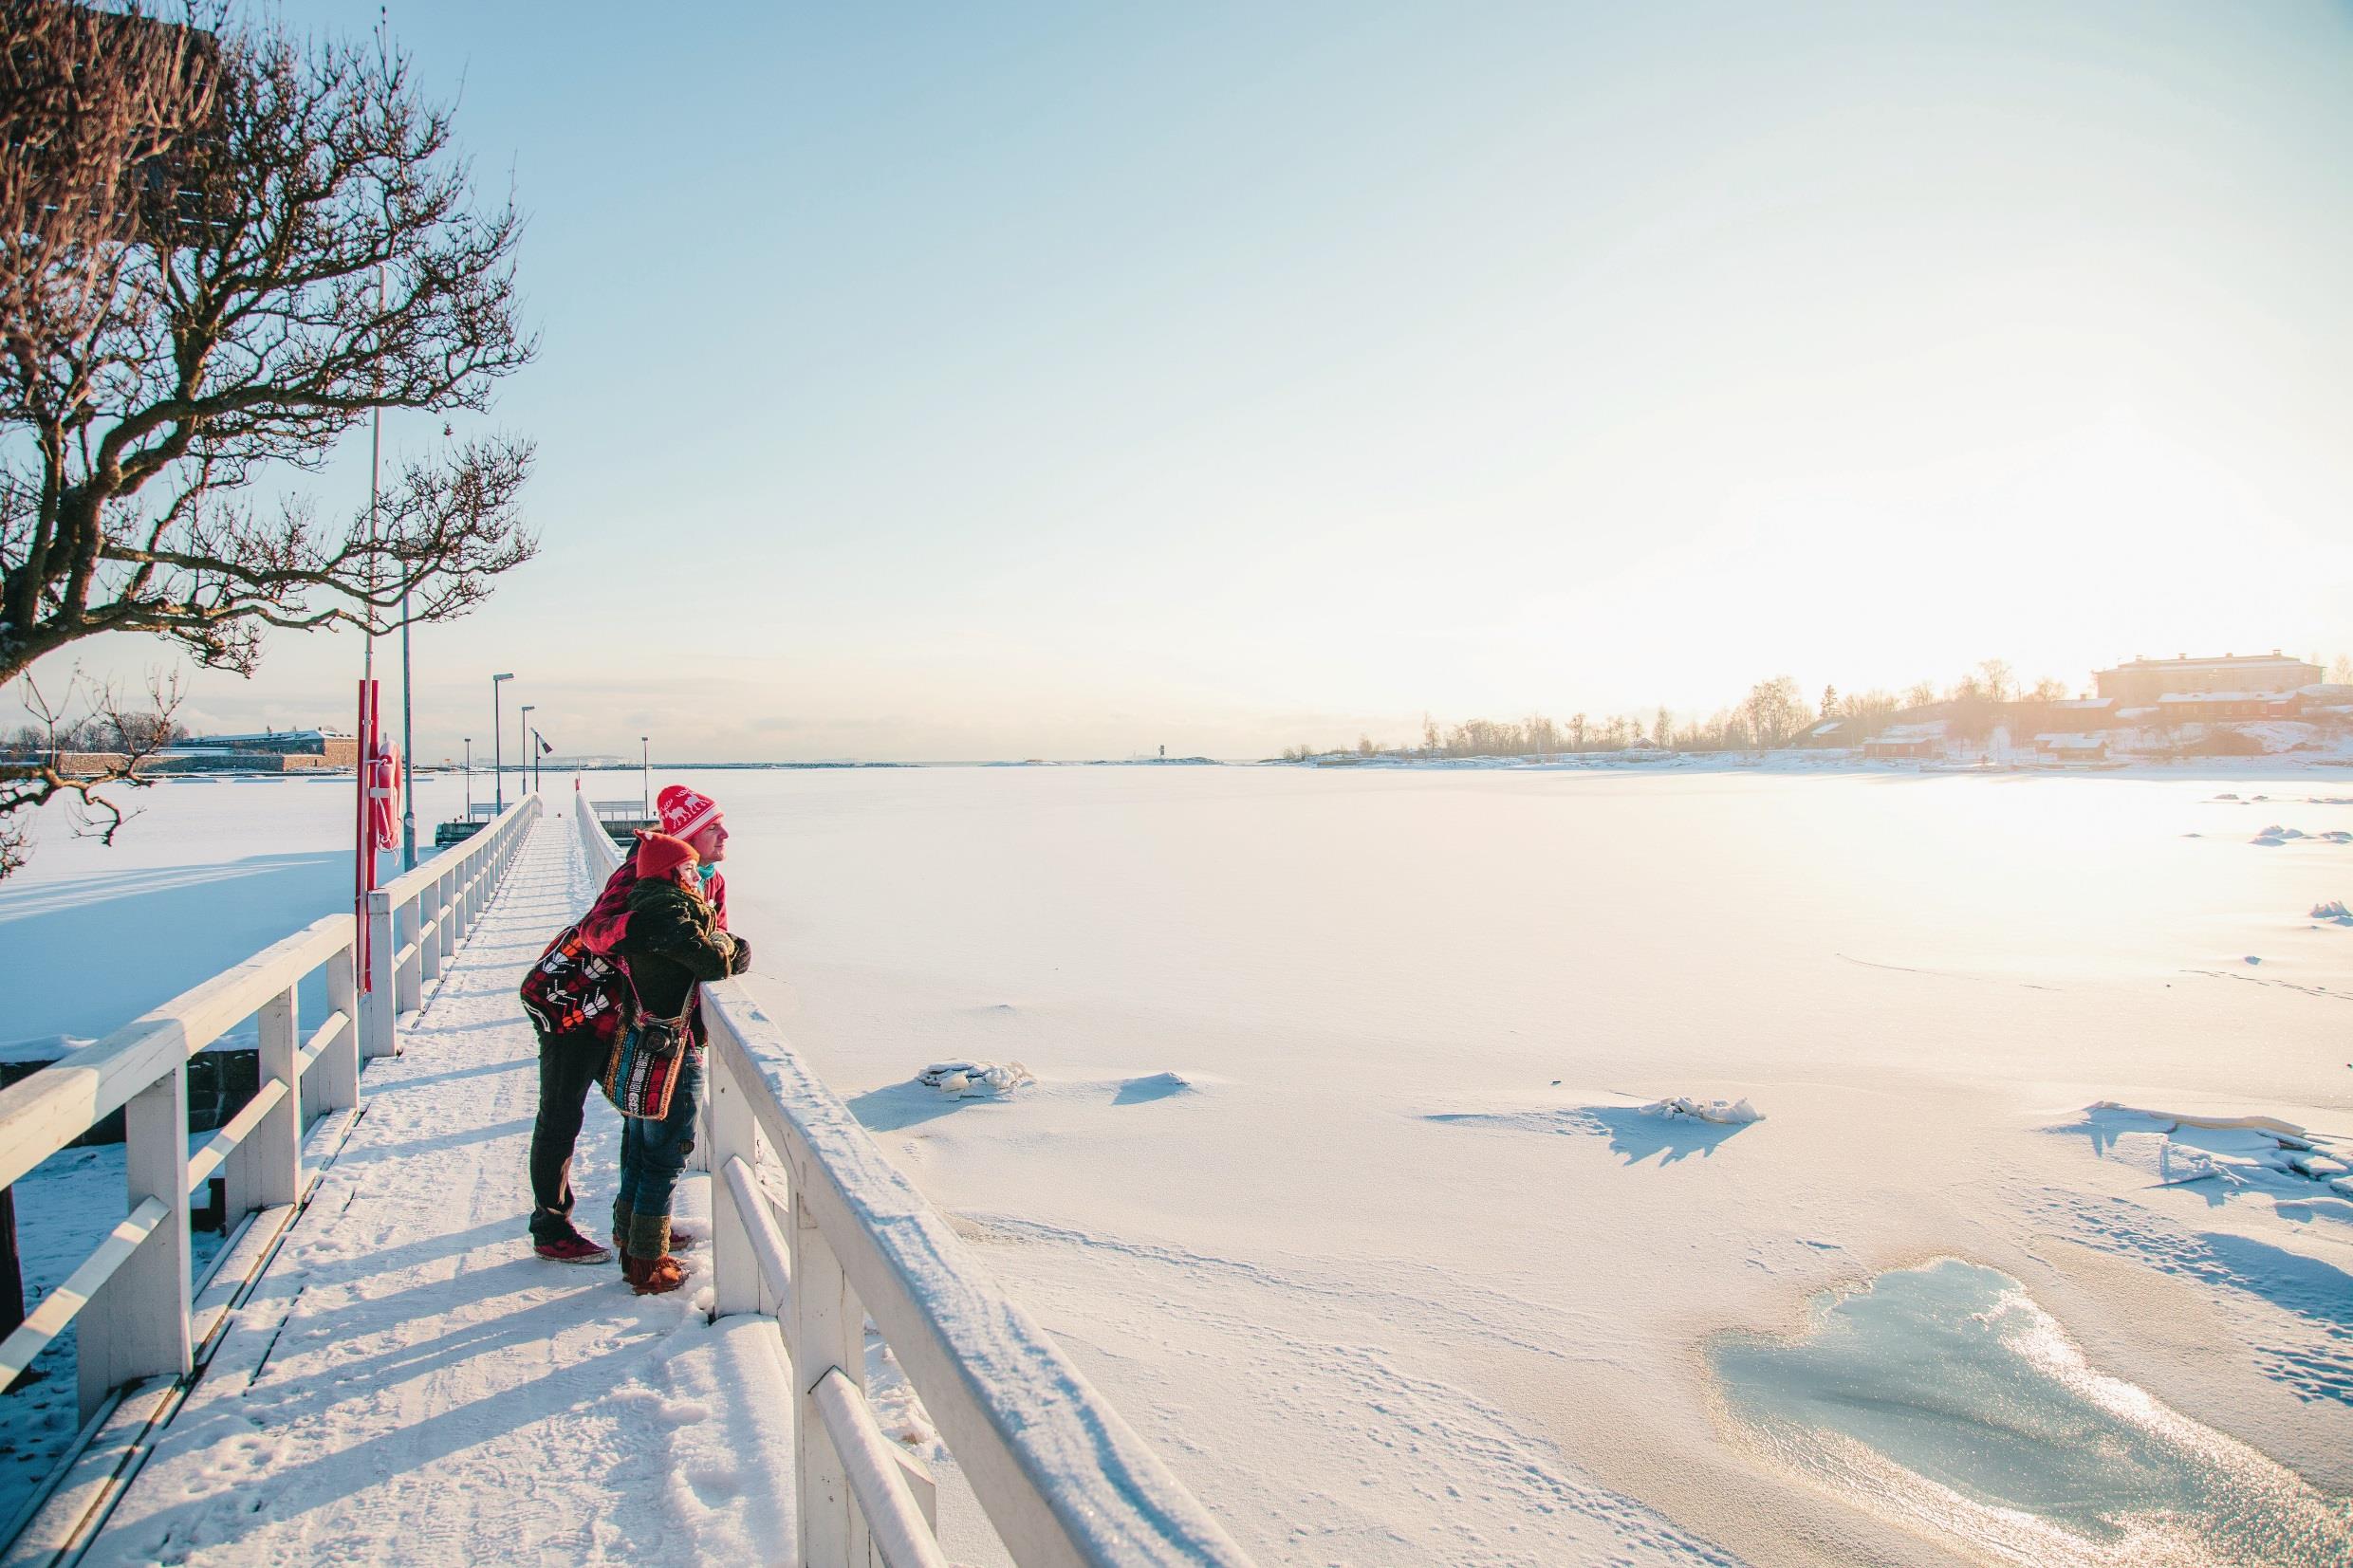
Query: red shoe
[[652, 1276], [575, 1248]]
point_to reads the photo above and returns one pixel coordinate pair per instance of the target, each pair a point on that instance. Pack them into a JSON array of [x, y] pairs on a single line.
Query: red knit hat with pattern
[[662, 855], [684, 812]]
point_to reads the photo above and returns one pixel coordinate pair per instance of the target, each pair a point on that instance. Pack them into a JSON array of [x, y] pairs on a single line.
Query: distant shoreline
[[1682, 762]]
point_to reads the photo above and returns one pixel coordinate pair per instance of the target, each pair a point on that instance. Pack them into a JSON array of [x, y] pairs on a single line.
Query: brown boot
[[652, 1276]]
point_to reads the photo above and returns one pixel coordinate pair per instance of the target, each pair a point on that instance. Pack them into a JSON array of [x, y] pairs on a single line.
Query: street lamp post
[[646, 779], [498, 760], [469, 777], [523, 739], [539, 749]]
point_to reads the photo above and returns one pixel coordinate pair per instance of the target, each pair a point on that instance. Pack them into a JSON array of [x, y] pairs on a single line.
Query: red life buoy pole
[[364, 839]]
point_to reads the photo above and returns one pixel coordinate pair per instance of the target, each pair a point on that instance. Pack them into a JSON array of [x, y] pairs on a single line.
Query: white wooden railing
[[132, 1297], [1059, 1474]]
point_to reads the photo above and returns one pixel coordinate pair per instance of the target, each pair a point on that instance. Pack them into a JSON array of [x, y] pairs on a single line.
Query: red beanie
[[662, 855], [683, 812]]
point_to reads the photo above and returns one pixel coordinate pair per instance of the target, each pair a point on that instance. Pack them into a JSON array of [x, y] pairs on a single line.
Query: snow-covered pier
[[376, 1369]]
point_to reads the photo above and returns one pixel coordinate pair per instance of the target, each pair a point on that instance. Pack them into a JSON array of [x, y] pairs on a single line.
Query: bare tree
[[1994, 678], [1774, 711], [2341, 672], [84, 737], [1870, 710], [283, 242]]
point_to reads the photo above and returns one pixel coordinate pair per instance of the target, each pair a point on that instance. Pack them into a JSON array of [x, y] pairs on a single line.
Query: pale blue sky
[[1021, 380]]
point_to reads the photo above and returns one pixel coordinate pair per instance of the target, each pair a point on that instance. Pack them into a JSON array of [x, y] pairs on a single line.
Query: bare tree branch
[[222, 250], [84, 739], [303, 251]]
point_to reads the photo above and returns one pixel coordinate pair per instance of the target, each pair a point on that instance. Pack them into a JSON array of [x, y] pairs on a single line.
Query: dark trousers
[[568, 1065], [651, 1155]]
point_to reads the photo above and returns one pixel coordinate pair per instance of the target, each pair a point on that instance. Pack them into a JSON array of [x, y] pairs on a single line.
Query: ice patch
[[2334, 912], [1946, 1396], [1730, 1113], [974, 1080]]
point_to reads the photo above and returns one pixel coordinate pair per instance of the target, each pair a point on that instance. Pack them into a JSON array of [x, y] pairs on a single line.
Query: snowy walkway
[[409, 1384]]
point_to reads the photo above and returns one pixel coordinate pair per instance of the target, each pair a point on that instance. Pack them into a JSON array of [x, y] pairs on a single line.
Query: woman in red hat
[[568, 1065], [670, 942]]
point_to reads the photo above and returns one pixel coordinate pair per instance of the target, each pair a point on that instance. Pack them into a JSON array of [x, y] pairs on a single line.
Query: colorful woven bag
[[644, 1068], [571, 990]]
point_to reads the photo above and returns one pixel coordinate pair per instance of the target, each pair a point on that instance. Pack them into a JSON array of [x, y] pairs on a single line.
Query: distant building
[[2085, 712], [2206, 707], [2072, 748], [1831, 732], [2146, 682], [272, 751], [1907, 740]]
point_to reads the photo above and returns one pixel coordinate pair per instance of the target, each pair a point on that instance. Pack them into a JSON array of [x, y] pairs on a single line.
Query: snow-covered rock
[[1730, 1111], [974, 1080]]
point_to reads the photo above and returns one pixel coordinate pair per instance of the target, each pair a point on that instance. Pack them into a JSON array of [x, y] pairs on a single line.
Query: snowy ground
[[1337, 1179]]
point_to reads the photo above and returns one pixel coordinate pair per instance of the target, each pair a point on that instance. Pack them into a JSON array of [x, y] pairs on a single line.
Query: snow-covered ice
[[1949, 1395], [1402, 1274]]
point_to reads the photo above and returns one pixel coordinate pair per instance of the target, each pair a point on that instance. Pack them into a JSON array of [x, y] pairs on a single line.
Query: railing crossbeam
[[902, 1535]]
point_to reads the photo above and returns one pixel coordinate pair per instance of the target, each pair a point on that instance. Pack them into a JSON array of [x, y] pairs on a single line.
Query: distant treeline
[[1774, 713]]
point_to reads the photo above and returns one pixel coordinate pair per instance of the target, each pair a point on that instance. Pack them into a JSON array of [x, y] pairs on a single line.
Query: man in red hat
[[569, 1063]]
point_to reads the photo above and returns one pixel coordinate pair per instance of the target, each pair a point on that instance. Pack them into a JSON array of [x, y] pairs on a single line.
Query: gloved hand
[[741, 959]]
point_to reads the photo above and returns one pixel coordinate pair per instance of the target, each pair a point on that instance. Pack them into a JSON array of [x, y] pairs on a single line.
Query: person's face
[[710, 843]]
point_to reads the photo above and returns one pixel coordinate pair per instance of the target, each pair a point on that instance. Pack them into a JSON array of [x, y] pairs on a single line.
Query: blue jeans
[[652, 1154]]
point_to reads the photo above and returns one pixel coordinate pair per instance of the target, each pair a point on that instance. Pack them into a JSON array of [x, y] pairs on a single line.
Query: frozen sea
[[1336, 1178]]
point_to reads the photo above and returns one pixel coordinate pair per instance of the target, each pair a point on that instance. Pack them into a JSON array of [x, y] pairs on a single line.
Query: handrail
[[414, 919], [1060, 1475], [132, 1293], [41, 1113]]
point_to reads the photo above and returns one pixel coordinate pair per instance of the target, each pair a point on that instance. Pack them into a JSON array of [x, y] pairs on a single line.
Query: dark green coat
[[672, 940]]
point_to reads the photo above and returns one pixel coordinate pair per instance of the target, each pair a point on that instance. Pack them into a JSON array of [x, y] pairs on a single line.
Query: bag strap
[[637, 1003]]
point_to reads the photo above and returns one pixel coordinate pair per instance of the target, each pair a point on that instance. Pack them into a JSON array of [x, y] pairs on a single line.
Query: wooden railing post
[[136, 1324], [273, 1170], [828, 1334], [733, 1134], [428, 942], [376, 1007], [336, 1071], [408, 983], [446, 901]]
